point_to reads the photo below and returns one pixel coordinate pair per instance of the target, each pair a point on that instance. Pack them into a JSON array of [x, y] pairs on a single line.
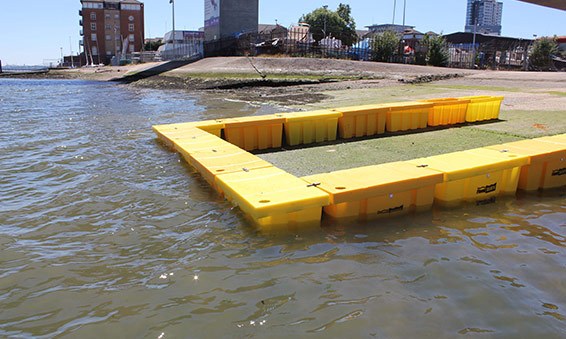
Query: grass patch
[[346, 154], [561, 94], [528, 124]]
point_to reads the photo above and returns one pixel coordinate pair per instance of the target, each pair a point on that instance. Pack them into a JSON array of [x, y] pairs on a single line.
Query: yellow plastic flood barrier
[[221, 160], [310, 127], [272, 197], [403, 116], [166, 133], [478, 175], [483, 107], [447, 111], [359, 121], [256, 132], [547, 168], [193, 139], [559, 138], [378, 190]]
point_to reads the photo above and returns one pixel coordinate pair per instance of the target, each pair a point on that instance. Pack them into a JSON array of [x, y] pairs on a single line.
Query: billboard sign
[[211, 13]]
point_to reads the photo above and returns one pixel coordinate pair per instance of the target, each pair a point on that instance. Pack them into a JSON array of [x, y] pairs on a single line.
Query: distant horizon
[[25, 45]]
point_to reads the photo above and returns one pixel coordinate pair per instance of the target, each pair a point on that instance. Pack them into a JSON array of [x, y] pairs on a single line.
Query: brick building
[[111, 28]]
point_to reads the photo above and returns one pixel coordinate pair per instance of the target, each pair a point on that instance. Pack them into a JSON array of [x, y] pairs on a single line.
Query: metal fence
[[484, 56], [297, 44], [181, 50]]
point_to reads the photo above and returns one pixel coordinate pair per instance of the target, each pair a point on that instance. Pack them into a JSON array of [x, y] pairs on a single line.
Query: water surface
[[104, 233]]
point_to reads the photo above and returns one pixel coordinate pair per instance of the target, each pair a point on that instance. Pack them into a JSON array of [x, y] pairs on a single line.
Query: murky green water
[[105, 234]]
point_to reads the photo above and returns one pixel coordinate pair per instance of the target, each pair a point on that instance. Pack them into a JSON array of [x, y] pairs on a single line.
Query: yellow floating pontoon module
[[167, 133], [403, 116], [359, 121], [447, 111], [559, 138], [310, 127], [547, 168], [478, 175], [255, 132], [271, 196], [483, 107], [378, 190], [193, 140], [221, 160]]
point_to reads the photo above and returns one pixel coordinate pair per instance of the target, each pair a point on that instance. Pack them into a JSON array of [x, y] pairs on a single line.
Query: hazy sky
[[32, 31]]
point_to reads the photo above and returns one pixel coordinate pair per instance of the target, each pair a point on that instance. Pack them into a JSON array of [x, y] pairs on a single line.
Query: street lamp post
[[394, 7], [172, 2], [404, 8], [325, 12]]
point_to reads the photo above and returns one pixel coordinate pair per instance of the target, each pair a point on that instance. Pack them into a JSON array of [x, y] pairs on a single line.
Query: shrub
[[384, 46], [437, 50]]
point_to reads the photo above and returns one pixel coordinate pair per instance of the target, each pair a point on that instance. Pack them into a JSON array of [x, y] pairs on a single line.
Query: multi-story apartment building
[[111, 28], [485, 15]]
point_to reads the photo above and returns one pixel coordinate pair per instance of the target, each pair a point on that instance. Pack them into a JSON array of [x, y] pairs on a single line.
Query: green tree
[[541, 53], [384, 46], [152, 45], [339, 24], [349, 34], [436, 50]]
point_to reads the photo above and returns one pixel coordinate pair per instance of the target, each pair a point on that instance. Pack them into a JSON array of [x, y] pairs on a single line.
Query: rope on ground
[[263, 76]]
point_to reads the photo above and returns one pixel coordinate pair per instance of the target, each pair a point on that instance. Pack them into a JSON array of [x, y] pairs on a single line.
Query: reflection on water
[[103, 233]]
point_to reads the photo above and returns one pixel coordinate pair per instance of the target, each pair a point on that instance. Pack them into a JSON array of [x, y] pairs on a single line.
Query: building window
[[131, 38], [108, 27], [93, 37], [93, 26], [94, 50], [93, 5], [131, 7], [107, 16], [92, 16], [131, 48], [108, 37], [118, 38], [131, 27], [116, 16]]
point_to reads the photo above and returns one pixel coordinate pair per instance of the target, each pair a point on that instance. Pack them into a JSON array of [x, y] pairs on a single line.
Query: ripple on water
[[102, 230]]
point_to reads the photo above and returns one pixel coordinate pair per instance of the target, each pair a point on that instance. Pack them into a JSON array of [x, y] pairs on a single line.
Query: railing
[[182, 50]]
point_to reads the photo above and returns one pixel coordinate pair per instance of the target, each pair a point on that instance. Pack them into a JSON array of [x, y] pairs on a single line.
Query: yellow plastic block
[[211, 126], [204, 142], [226, 159], [377, 190], [547, 168], [271, 196], [478, 175], [309, 127], [483, 107], [404, 116], [447, 111], [168, 134], [359, 121], [256, 132], [559, 138]]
